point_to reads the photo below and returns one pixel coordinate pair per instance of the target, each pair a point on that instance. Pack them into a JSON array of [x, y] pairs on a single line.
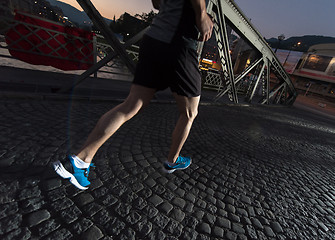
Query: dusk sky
[[270, 17]]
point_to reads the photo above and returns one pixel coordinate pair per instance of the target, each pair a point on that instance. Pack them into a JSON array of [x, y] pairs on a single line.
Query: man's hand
[[205, 26], [203, 21]]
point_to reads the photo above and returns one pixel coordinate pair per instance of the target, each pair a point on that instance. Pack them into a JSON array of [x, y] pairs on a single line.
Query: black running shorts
[[162, 65]]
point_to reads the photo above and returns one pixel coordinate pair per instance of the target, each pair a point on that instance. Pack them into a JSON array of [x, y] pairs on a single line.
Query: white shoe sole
[[167, 171], [61, 171]]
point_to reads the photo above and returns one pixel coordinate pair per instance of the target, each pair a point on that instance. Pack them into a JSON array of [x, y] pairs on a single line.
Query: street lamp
[[281, 37], [289, 53], [298, 45], [295, 46]]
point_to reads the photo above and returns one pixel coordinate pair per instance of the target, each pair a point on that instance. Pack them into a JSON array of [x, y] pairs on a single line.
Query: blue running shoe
[[77, 176], [180, 164]]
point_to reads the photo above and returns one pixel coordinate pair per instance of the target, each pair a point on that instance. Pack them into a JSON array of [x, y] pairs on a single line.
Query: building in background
[[289, 59], [315, 72], [312, 72], [210, 58]]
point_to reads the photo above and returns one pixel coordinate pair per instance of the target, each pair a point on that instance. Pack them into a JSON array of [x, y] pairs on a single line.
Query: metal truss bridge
[[269, 82], [249, 71]]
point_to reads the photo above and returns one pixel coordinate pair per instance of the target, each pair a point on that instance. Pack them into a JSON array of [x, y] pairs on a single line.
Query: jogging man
[[167, 58]]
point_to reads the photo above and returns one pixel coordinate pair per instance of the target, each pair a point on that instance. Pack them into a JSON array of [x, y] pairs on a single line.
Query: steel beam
[[257, 82], [247, 70], [267, 80], [221, 35], [118, 48], [100, 23], [227, 10]]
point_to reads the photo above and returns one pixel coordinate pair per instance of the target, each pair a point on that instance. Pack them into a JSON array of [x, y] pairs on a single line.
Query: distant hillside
[[73, 13], [306, 42]]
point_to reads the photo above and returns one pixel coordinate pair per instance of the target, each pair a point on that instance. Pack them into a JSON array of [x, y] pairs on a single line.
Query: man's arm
[[156, 3], [203, 21]]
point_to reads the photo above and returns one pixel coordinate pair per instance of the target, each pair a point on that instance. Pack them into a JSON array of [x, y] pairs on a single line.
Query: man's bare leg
[[188, 110], [111, 121]]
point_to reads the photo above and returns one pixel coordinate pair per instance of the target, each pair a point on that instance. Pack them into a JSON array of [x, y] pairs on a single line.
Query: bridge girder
[[227, 82], [226, 11]]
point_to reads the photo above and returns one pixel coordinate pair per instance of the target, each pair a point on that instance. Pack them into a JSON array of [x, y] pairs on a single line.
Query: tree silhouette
[[128, 25]]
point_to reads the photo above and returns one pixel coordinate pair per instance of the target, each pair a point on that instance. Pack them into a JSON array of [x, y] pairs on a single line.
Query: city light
[[207, 60]]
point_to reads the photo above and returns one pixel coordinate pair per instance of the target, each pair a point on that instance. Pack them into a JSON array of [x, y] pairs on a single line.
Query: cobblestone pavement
[[258, 173]]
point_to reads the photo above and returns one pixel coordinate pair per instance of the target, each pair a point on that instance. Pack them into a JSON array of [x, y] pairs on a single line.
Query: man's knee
[[130, 107], [189, 114]]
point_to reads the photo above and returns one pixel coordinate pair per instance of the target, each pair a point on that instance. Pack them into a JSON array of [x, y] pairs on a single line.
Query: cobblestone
[[177, 215], [93, 233], [37, 217], [52, 184], [165, 207], [155, 200], [47, 227], [10, 223], [179, 202], [70, 214], [258, 172], [83, 199], [19, 233], [204, 228], [61, 234], [8, 209]]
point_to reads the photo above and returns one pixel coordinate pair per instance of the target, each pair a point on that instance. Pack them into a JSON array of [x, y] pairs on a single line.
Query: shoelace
[[87, 171], [180, 160], [176, 163]]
